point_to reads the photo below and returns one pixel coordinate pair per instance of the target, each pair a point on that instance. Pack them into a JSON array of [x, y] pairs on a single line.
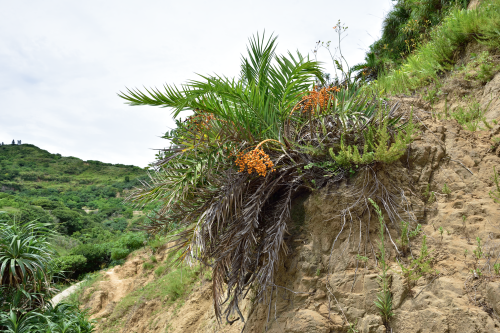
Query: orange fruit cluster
[[315, 97], [200, 120], [256, 160]]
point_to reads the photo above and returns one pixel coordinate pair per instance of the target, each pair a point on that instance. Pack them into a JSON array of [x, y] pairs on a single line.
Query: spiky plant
[[13, 322], [234, 166], [25, 255]]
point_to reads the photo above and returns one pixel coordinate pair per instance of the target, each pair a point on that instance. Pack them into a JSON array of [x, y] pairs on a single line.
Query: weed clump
[[416, 268], [471, 116], [384, 297]]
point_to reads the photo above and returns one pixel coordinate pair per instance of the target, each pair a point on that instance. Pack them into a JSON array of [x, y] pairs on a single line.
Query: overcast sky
[[63, 62]]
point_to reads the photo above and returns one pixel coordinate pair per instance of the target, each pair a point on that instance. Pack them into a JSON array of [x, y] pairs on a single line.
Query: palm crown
[[251, 108]]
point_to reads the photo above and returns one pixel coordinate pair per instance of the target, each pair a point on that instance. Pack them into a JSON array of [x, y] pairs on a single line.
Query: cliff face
[[335, 286], [329, 278]]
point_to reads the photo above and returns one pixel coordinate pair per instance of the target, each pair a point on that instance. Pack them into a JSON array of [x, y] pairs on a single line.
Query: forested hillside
[[83, 199]]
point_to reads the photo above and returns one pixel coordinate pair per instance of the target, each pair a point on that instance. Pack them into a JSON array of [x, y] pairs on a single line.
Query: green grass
[[470, 116], [406, 28], [148, 265], [77, 296], [438, 55], [160, 270]]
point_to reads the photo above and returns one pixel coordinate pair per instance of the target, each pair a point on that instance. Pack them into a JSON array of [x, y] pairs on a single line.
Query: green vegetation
[[407, 235], [478, 251], [225, 187], [351, 327], [252, 142], [480, 69], [170, 284], [82, 199], [417, 267], [384, 296], [361, 258], [495, 193], [471, 116], [436, 55], [406, 28], [27, 283], [446, 190], [429, 195]]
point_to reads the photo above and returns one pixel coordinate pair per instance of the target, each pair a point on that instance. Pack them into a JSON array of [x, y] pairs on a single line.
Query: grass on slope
[[441, 52]]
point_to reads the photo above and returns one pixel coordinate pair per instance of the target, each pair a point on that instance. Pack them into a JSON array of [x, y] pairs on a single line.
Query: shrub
[[116, 224], [128, 213], [61, 318], [96, 255], [46, 203], [68, 265], [71, 221], [132, 240], [460, 27], [406, 27], [119, 253], [28, 213], [25, 254]]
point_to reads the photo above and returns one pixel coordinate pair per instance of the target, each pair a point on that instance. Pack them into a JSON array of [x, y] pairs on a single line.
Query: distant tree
[[70, 220], [13, 142], [18, 142]]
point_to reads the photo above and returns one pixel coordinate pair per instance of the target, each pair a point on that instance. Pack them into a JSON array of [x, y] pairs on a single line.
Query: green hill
[[83, 199]]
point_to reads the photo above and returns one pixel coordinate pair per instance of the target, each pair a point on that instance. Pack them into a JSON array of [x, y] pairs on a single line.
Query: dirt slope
[[107, 302]]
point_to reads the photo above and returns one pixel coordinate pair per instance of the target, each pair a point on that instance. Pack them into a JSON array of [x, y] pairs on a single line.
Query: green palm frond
[[255, 67], [254, 105]]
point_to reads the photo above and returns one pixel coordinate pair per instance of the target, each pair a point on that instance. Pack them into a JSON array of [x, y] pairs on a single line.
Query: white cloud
[[62, 62]]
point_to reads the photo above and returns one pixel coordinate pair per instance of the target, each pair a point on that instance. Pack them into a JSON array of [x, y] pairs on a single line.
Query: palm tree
[[235, 165], [196, 179]]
